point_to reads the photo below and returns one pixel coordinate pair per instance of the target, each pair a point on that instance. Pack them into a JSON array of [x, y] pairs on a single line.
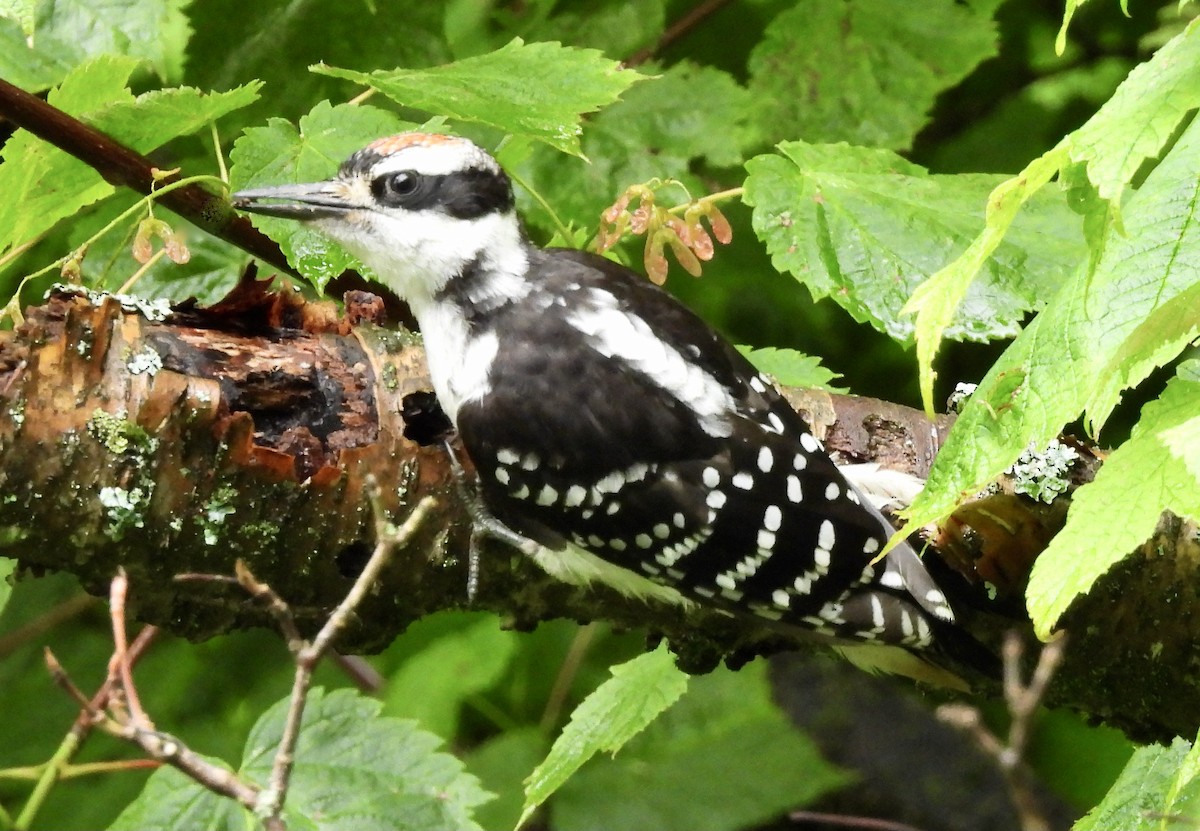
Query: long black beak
[[317, 200]]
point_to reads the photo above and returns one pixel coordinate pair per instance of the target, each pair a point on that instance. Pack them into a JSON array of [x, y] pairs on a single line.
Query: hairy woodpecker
[[607, 422]]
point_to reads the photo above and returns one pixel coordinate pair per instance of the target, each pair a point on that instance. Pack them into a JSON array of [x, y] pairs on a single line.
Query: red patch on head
[[394, 144]]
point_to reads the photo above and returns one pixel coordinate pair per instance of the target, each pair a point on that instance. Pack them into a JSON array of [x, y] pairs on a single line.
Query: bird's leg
[[483, 524]]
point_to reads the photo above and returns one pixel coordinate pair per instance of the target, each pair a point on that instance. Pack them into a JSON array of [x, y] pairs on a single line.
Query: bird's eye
[[394, 187]]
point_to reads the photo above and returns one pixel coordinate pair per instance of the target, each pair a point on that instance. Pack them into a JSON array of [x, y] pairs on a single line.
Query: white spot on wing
[[546, 497], [502, 475], [822, 559], [575, 496], [773, 518], [506, 456], [611, 483], [825, 535], [794, 493], [715, 500], [743, 480], [832, 491], [809, 442], [765, 459], [877, 612], [711, 477]]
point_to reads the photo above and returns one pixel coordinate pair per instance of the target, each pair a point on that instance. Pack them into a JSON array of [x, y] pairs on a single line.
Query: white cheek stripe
[[615, 333]]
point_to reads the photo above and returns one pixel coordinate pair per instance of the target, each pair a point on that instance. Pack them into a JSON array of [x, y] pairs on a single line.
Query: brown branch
[[256, 436], [122, 167], [676, 30]]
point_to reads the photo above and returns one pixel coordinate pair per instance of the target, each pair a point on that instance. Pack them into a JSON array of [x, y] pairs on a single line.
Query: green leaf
[[864, 72], [21, 12], [353, 769], [502, 763], [33, 172], [1053, 370], [615, 27], [46, 185], [865, 227], [1116, 513], [938, 300], [283, 154], [1158, 787], [1164, 333], [1132, 127], [274, 40], [608, 718], [1142, 116], [432, 686], [7, 567], [791, 368], [723, 758], [152, 30], [654, 131], [32, 69], [538, 90]]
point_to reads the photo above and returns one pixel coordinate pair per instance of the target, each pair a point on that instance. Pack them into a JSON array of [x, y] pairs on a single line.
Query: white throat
[[442, 283]]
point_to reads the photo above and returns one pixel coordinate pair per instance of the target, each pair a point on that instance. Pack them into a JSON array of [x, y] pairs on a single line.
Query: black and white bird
[[607, 422]]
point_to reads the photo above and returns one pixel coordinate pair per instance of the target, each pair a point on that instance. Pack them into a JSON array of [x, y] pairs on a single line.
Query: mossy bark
[[252, 430]]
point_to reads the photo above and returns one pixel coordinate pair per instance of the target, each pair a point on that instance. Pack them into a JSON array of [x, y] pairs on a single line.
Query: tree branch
[[256, 442], [123, 167]]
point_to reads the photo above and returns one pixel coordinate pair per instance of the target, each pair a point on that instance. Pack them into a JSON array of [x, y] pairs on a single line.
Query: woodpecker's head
[[417, 208]]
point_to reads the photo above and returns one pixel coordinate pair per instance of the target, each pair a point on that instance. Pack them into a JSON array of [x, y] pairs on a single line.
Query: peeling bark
[[251, 430]]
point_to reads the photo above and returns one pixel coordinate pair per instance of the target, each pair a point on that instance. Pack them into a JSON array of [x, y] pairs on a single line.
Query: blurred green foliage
[[954, 88]]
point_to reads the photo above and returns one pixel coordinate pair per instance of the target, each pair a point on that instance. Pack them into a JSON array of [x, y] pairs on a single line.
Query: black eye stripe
[[463, 194]]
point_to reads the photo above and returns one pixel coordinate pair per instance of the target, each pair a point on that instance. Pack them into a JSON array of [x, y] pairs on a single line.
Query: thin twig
[[69, 609], [119, 665], [388, 539], [566, 675], [870, 823], [676, 30], [166, 748], [132, 725], [1023, 700], [90, 714], [359, 671], [274, 603]]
